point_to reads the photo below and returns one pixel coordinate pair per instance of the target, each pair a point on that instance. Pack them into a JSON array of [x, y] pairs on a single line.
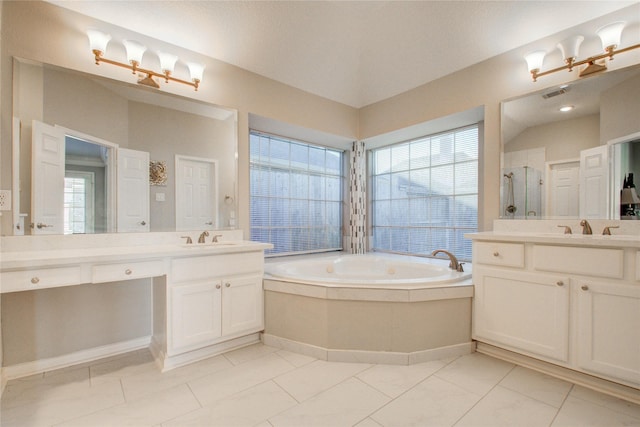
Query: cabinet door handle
[[35, 280], [560, 283], [227, 284], [41, 225], [128, 272], [496, 254], [218, 286], [584, 287], [142, 223]]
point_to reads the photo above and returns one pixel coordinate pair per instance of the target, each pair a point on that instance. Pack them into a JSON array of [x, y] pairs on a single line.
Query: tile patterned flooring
[[264, 386]]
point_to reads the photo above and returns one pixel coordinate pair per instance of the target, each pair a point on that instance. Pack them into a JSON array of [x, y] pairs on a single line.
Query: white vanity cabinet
[[212, 299], [206, 298], [608, 329], [570, 301]]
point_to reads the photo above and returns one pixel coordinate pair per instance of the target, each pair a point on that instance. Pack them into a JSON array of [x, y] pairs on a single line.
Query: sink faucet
[[607, 230], [586, 228], [202, 236], [215, 238], [453, 264]]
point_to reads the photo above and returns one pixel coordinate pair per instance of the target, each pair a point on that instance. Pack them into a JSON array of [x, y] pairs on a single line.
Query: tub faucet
[[586, 228], [202, 236], [453, 264]]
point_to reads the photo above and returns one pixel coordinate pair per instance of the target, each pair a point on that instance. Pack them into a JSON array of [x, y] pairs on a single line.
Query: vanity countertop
[[592, 240], [21, 259]]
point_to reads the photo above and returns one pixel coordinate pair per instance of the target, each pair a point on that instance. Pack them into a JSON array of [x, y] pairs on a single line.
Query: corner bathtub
[[368, 308]]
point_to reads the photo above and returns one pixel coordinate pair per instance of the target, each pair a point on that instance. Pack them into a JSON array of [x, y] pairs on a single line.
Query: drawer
[[101, 273], [199, 268], [597, 262], [499, 253], [27, 280]]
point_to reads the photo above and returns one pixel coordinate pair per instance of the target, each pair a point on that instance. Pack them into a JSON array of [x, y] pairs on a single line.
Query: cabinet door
[[242, 305], [609, 329], [195, 310], [522, 311]]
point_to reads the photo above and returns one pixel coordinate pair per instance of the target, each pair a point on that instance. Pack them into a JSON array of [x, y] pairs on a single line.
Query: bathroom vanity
[[207, 297], [562, 300]]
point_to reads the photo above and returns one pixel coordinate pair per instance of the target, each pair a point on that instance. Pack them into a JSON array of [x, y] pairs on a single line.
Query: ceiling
[[352, 52]]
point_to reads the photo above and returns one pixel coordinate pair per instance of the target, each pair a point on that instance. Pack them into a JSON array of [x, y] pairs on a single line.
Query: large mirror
[[134, 158], [549, 155]]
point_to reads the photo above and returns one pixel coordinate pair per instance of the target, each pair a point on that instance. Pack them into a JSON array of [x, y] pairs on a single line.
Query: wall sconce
[[98, 43], [609, 35]]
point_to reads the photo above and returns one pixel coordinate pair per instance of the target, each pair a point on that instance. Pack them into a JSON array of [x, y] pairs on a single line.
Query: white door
[[133, 191], [609, 330], [564, 188], [594, 182], [522, 311], [195, 311], [242, 305], [196, 194], [47, 179]]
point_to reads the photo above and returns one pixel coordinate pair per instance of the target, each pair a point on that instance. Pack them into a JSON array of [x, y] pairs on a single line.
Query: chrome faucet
[[453, 264], [202, 236], [586, 228]]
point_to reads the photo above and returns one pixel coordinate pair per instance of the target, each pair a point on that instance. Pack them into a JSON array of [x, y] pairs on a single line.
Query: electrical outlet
[[5, 200]]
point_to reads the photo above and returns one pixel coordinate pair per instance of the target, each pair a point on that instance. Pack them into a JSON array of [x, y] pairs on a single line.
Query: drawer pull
[[128, 272], [496, 254], [584, 287], [560, 283], [218, 286], [35, 280], [227, 284]]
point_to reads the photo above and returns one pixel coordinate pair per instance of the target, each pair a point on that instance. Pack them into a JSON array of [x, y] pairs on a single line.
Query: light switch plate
[[159, 197], [5, 200]]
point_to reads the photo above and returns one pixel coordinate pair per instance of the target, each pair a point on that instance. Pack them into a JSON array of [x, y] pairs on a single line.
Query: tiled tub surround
[[568, 305], [191, 284], [372, 319]]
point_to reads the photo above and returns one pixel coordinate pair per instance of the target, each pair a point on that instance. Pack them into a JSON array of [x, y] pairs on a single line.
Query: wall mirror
[[544, 149], [104, 122]]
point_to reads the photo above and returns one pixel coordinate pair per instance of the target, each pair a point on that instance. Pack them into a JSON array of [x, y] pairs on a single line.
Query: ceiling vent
[[556, 92]]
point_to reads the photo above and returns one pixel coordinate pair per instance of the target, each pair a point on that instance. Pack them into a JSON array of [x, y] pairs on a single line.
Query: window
[[425, 194], [78, 202], [296, 195]]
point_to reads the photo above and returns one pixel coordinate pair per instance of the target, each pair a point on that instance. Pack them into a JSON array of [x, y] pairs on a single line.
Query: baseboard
[[364, 356], [166, 363], [43, 365], [585, 380]]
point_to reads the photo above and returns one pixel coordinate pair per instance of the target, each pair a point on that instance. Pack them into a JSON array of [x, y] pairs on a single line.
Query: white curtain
[[358, 202]]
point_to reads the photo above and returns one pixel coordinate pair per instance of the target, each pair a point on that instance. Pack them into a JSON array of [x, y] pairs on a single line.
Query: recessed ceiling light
[[566, 108]]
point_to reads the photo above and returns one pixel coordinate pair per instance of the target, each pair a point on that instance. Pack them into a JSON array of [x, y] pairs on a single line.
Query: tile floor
[[263, 386]]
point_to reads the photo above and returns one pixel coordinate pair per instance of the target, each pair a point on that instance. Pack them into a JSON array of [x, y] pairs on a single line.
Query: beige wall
[[562, 140], [620, 110]]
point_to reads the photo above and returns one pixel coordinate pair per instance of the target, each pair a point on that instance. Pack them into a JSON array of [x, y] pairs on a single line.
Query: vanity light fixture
[[609, 35], [566, 108], [98, 43]]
